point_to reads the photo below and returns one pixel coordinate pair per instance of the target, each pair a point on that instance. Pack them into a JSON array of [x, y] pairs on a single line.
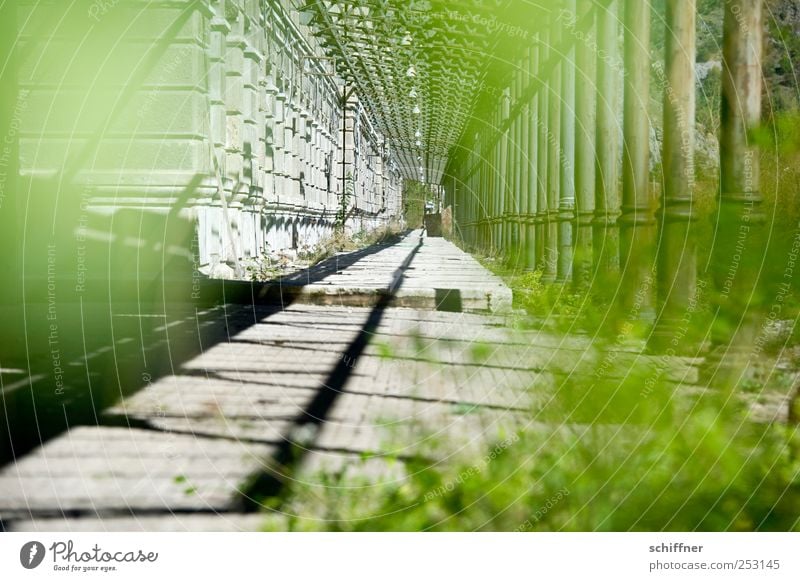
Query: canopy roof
[[421, 67]]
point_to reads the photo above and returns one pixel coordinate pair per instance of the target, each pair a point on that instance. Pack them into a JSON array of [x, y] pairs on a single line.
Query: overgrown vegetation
[[341, 242], [271, 266]]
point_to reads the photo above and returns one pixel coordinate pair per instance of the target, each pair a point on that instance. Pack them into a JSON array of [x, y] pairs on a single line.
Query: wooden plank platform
[[184, 451]]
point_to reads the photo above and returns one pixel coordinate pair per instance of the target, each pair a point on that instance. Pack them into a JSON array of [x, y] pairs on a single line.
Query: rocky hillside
[[781, 70]]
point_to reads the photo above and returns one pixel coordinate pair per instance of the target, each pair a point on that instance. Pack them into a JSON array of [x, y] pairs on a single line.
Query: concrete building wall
[[216, 116]]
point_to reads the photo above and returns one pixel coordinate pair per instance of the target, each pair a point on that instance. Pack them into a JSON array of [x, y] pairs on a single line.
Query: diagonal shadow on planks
[[272, 481]]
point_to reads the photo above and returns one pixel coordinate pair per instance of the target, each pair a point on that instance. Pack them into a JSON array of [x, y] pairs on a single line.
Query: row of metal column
[[539, 181]]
